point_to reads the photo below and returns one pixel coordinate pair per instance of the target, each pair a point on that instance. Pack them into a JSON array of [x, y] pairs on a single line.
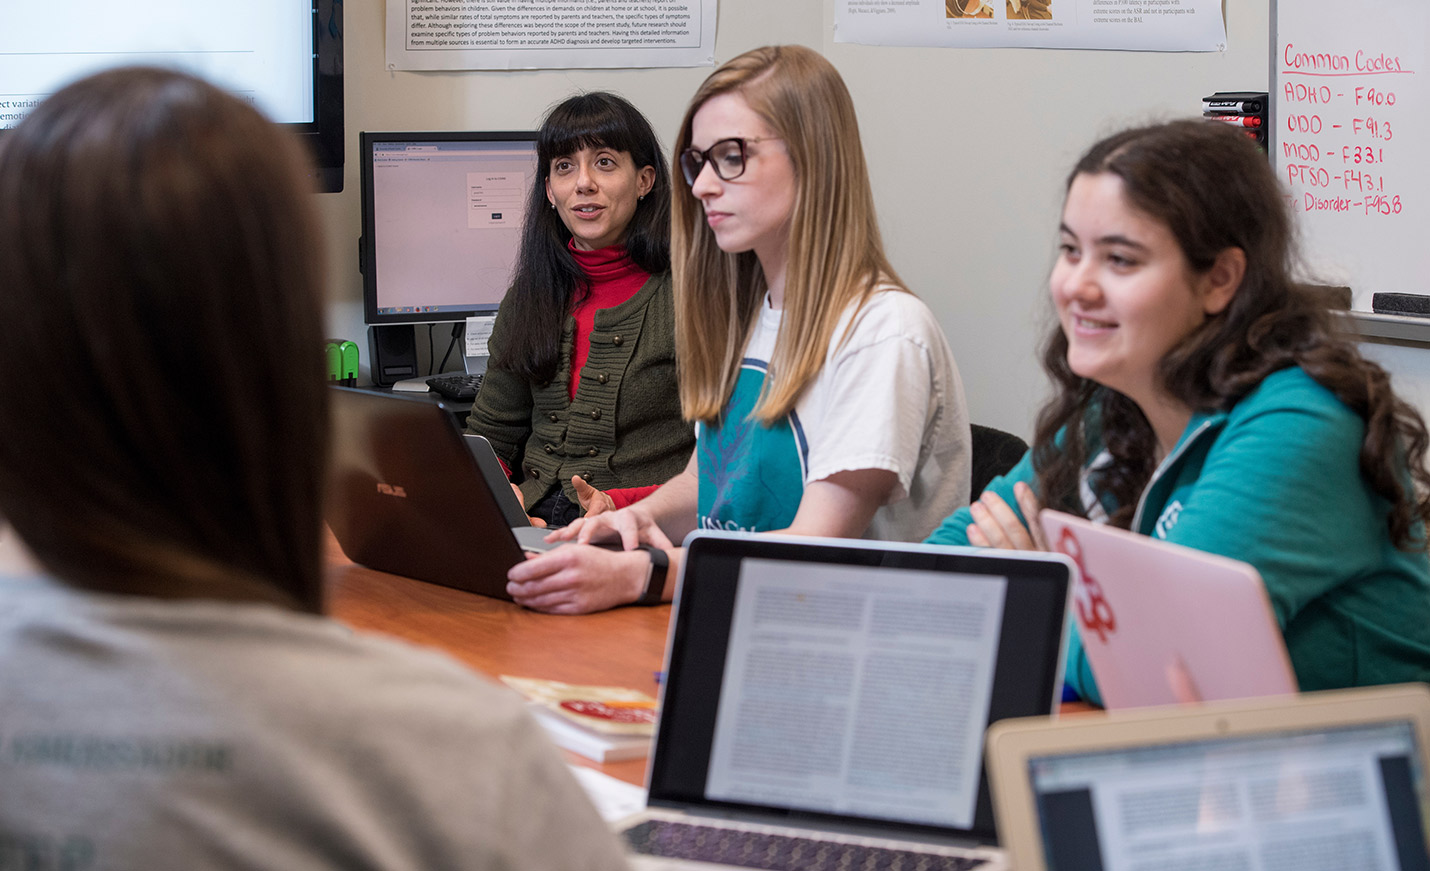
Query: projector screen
[[285, 56]]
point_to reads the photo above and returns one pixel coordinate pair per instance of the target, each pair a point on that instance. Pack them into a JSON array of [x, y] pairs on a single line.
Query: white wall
[[1409, 367], [968, 149]]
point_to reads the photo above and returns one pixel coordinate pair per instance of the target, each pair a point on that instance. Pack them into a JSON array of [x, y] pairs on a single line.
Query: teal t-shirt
[[751, 475]]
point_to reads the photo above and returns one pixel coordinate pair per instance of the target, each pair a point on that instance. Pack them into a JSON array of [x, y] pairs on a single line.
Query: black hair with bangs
[[548, 283]]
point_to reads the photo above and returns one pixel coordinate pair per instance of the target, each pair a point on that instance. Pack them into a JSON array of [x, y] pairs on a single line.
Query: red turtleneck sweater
[[614, 279]]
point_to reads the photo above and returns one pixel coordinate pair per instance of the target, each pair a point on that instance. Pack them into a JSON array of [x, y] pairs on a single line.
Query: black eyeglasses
[[727, 157]]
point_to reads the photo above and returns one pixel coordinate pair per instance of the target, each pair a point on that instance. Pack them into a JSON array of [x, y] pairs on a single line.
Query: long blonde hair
[[836, 256]]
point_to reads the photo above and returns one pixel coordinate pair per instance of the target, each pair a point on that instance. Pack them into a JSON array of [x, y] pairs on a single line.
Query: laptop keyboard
[[746, 849]]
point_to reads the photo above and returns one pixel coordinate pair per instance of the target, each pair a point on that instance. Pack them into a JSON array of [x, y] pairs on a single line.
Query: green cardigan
[[623, 428], [1275, 481]]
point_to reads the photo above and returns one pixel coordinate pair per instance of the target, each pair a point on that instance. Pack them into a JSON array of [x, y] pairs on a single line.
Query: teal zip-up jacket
[[1276, 482]]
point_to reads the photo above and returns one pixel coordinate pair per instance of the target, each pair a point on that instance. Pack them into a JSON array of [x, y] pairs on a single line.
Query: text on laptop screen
[[1330, 799], [848, 684], [442, 220], [856, 692]]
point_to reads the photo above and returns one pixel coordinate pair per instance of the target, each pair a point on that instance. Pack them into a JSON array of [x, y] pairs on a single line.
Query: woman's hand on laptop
[[578, 579], [995, 524], [632, 525]]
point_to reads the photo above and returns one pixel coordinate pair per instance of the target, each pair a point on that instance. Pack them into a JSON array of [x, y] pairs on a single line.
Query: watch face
[[655, 581]]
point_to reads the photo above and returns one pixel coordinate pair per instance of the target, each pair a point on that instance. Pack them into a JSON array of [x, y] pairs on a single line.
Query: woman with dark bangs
[[581, 393]]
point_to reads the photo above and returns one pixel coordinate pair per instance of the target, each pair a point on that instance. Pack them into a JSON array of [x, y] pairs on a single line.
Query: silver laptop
[[406, 495], [825, 701], [1328, 780], [497, 482]]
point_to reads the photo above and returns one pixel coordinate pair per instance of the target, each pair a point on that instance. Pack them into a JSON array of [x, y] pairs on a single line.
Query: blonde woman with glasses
[[826, 397]]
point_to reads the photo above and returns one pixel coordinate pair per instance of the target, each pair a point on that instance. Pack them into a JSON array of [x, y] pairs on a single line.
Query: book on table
[[601, 723]]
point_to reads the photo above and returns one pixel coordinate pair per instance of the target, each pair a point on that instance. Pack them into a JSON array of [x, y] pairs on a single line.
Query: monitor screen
[[442, 217], [1343, 797], [283, 56]]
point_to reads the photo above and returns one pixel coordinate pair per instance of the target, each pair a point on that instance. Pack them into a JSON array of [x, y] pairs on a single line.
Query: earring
[[553, 207], [640, 198]]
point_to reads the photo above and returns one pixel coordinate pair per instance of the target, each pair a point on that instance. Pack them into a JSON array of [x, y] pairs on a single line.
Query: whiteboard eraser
[[1414, 305]]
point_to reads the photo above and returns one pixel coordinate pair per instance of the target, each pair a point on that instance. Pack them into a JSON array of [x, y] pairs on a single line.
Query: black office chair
[[994, 452]]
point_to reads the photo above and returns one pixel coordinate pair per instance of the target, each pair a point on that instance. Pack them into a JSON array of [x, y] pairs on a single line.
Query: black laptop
[[407, 496]]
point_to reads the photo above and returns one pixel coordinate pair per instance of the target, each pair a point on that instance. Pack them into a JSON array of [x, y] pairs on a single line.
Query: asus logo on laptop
[[391, 490]]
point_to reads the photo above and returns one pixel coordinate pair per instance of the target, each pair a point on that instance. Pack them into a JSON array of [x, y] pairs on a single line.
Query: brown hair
[[836, 255], [1214, 190], [163, 396]]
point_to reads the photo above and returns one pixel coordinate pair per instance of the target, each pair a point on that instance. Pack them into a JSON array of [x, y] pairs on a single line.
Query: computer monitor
[[287, 58], [441, 218]]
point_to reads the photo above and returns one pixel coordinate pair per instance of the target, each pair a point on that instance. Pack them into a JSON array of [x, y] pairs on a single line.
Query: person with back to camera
[[581, 392], [172, 696], [1204, 398], [826, 395]]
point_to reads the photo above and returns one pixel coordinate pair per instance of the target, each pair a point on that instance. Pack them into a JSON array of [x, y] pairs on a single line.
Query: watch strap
[[655, 581]]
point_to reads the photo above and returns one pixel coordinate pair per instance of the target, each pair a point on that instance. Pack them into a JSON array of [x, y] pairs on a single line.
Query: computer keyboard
[[456, 385], [774, 852]]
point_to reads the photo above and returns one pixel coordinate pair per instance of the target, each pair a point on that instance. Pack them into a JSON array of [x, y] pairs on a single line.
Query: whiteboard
[[1350, 123]]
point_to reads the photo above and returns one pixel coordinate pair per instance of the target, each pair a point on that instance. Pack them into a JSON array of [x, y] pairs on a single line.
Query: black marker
[[1248, 106]]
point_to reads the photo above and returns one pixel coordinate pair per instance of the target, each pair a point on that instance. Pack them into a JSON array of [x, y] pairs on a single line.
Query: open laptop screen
[[1332, 798], [857, 692], [842, 680]]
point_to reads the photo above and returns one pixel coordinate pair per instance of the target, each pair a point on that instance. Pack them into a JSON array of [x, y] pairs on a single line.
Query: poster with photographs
[[1133, 25], [1017, 10]]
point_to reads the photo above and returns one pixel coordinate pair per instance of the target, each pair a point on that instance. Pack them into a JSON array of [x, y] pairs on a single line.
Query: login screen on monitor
[[443, 214]]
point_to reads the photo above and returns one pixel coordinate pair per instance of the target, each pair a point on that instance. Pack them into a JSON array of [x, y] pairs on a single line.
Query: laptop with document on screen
[[825, 700], [1143, 607], [1327, 780]]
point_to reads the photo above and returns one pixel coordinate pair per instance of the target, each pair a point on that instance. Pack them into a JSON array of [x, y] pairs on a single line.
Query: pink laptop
[[1163, 623]]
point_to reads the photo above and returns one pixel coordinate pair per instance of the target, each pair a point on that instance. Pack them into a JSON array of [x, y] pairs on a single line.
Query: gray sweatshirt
[[144, 734]]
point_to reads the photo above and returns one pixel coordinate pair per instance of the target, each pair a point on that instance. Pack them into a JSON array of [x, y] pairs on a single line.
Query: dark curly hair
[[1213, 189]]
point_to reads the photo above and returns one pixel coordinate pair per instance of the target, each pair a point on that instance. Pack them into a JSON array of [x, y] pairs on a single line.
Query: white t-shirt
[[889, 397], [139, 733]]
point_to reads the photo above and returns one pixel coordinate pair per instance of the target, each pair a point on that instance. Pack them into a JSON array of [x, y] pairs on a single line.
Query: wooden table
[[624, 647]]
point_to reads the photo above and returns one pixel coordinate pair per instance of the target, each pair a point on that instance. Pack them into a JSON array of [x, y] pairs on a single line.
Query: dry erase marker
[[1252, 106], [1236, 120]]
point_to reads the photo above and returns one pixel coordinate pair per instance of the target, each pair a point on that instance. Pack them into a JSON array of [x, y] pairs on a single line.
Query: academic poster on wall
[[1131, 25], [549, 34]]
